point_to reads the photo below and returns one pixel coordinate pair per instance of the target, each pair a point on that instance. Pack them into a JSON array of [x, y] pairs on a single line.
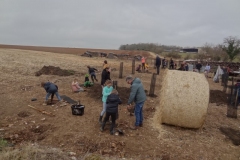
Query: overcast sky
[[111, 23]]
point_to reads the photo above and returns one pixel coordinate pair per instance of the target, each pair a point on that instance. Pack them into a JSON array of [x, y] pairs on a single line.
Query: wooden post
[[152, 86], [115, 84], [225, 82], [133, 66], [121, 70], [231, 109]]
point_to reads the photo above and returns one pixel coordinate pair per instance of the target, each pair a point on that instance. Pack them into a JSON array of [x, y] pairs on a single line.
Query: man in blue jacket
[[51, 89], [138, 96], [158, 64]]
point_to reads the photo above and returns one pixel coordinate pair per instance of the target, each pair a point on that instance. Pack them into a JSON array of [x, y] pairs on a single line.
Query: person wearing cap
[[138, 96]]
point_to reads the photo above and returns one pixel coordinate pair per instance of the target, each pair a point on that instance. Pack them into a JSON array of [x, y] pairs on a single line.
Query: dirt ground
[[80, 134]]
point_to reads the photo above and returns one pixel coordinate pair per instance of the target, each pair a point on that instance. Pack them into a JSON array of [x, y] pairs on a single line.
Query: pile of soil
[[217, 96], [96, 92], [51, 70]]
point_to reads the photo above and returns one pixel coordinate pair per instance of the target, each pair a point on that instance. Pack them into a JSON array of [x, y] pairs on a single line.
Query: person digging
[[137, 95], [51, 89]]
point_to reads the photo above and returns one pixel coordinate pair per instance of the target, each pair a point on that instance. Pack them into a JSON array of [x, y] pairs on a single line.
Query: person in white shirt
[[207, 70]]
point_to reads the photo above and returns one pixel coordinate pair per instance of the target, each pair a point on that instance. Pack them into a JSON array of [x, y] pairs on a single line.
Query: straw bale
[[184, 99]]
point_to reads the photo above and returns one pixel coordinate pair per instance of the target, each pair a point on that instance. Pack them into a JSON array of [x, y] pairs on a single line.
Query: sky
[[107, 24]]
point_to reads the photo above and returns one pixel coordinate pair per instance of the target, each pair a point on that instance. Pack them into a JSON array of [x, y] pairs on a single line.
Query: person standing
[[207, 69], [158, 64], [143, 63], [171, 64], [164, 63], [105, 93], [105, 76], [198, 66], [138, 96], [112, 103]]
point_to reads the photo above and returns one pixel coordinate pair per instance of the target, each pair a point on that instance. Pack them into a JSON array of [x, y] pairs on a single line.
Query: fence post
[[152, 85], [115, 86], [133, 66], [121, 70], [231, 109]]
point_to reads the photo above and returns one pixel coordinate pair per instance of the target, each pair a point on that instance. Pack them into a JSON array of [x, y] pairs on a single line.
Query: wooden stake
[[133, 66], [42, 111], [121, 70], [152, 86]]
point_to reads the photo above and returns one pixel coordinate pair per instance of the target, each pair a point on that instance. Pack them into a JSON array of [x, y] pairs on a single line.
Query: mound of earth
[[217, 96], [96, 92], [51, 70]]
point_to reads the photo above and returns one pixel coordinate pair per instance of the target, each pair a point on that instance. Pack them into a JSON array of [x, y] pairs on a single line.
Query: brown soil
[[51, 70], [80, 134]]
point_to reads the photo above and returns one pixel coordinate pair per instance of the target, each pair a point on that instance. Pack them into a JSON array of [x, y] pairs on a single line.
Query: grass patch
[[3, 143]]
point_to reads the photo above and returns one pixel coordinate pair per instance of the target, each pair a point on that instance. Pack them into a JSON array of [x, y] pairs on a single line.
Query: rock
[[73, 158], [10, 125], [72, 153]]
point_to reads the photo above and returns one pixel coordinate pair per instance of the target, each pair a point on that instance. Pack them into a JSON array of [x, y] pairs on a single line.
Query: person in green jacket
[[138, 96]]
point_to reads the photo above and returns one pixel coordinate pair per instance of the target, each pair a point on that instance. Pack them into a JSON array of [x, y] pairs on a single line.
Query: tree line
[[229, 50]]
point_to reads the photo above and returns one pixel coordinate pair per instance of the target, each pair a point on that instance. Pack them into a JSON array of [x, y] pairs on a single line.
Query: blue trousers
[[138, 113], [56, 93]]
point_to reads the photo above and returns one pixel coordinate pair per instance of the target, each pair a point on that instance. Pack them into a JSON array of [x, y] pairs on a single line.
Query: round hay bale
[[184, 99]]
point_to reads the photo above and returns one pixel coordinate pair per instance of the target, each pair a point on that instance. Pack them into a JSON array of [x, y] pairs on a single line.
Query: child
[[138, 68], [87, 83], [76, 87], [51, 89], [146, 67], [107, 89], [91, 71], [113, 101]]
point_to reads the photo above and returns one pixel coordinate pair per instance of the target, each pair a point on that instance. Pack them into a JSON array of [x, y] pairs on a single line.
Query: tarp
[[219, 72]]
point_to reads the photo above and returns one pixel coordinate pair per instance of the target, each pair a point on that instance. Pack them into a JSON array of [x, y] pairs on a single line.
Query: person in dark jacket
[[164, 63], [51, 89], [171, 64], [105, 76], [91, 71], [198, 66], [158, 64], [113, 101], [138, 96]]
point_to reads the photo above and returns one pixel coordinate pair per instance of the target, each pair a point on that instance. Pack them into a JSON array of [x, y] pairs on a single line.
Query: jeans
[[104, 108], [138, 113], [56, 93]]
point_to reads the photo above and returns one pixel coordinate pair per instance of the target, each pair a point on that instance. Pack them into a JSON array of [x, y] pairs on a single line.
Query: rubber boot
[[100, 120], [102, 127]]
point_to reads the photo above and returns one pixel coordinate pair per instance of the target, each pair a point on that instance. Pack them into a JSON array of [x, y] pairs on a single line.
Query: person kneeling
[[113, 101]]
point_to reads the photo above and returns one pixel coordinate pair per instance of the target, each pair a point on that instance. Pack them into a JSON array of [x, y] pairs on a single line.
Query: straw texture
[[184, 99]]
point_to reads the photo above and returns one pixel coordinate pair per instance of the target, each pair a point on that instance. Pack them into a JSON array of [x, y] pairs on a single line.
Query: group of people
[[110, 96]]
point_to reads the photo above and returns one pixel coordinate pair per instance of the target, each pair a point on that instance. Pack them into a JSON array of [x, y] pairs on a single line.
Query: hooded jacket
[[50, 87], [113, 101], [137, 93]]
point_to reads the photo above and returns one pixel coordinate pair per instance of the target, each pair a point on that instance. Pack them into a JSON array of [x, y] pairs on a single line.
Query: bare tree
[[231, 46]]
